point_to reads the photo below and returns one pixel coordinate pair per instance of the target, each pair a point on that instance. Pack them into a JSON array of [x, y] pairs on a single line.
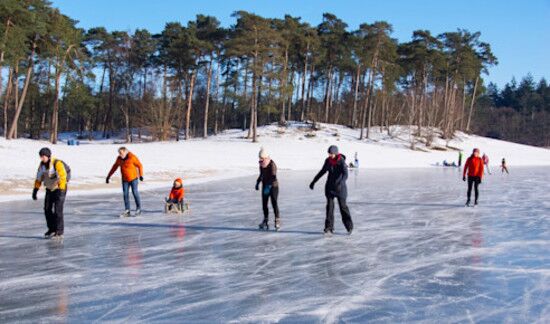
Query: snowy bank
[[228, 155]]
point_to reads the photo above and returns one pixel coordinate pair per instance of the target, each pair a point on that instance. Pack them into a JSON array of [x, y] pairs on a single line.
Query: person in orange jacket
[[131, 170], [177, 194], [474, 167]]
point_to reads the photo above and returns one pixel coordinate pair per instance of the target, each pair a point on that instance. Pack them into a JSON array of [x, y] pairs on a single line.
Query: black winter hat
[[45, 152], [333, 149]]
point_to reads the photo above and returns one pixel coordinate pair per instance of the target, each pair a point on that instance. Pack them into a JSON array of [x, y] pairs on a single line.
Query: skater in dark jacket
[[52, 173], [270, 188], [335, 187], [474, 168]]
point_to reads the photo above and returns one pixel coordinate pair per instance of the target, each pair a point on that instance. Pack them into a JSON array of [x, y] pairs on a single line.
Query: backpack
[[67, 169]]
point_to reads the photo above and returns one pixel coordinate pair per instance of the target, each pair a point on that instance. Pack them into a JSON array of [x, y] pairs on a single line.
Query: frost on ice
[[416, 254]]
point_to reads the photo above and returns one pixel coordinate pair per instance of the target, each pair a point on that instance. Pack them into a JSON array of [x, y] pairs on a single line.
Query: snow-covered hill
[[296, 147]]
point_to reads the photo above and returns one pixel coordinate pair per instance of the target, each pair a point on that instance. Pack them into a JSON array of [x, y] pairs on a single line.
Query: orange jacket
[[177, 193], [474, 166], [130, 168]]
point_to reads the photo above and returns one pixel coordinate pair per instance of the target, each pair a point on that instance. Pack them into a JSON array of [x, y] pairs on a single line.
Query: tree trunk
[[304, 75], [353, 122], [207, 103], [55, 113], [7, 101], [472, 105], [20, 101], [284, 85], [189, 104]]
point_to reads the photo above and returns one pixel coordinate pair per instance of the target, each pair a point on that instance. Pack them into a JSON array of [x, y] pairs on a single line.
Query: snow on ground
[[416, 255], [230, 155]]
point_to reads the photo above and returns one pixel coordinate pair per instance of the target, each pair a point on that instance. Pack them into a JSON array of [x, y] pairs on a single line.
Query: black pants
[[273, 194], [344, 211], [53, 209], [475, 181]]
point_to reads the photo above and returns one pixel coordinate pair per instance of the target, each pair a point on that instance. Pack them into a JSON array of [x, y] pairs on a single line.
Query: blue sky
[[518, 31]]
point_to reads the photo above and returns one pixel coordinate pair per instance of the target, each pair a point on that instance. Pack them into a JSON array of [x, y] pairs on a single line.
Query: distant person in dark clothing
[[270, 188], [335, 187], [503, 166]]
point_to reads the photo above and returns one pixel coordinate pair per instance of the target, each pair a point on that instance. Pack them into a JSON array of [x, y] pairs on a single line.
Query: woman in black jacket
[[335, 187], [270, 188]]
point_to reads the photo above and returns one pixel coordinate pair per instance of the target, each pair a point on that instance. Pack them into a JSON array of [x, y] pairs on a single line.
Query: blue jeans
[[125, 190]]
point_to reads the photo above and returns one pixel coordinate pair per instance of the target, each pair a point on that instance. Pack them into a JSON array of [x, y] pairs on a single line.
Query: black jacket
[[337, 176], [268, 175]]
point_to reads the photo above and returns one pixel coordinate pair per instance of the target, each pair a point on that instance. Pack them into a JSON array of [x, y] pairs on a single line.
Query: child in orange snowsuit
[[174, 202], [177, 193]]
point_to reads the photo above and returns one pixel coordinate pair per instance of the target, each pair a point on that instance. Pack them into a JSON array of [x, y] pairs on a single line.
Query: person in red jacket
[[177, 194], [474, 167]]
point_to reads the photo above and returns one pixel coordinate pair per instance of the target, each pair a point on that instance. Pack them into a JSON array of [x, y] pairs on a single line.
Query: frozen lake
[[416, 254]]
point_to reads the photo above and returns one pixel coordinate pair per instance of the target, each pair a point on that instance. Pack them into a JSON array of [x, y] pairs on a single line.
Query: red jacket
[[177, 193], [474, 166]]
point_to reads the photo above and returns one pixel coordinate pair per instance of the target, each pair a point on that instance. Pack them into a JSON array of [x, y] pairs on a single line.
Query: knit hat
[[45, 152], [263, 154], [476, 150], [333, 149]]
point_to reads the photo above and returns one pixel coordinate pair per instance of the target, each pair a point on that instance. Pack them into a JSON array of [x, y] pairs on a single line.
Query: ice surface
[[416, 254]]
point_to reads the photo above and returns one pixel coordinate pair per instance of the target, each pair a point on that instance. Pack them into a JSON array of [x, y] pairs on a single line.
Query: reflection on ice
[[415, 254]]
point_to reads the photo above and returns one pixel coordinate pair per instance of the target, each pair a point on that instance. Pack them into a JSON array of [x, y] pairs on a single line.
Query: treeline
[[518, 113], [199, 78]]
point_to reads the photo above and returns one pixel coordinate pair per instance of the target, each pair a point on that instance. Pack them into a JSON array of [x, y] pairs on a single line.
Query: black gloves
[[463, 178], [311, 185], [257, 186], [140, 178], [34, 192], [107, 180]]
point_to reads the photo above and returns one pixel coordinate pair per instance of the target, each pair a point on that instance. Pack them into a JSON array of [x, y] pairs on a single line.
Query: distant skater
[[485, 159], [503, 166], [335, 187], [54, 174], [355, 163], [474, 168], [270, 189], [131, 170], [460, 156]]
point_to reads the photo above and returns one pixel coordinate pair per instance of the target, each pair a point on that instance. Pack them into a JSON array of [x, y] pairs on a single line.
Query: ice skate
[[264, 226], [277, 224], [125, 214]]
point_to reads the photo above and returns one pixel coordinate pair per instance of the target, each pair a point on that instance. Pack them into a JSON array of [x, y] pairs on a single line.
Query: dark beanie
[[333, 149], [45, 152]]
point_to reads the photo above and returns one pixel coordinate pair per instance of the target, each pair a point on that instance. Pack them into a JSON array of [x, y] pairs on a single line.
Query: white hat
[[263, 154]]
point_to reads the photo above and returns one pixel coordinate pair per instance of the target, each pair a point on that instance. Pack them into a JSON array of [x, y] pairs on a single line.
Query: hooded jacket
[[337, 175], [130, 167], [177, 193]]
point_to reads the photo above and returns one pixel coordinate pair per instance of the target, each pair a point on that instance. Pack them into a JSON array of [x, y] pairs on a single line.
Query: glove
[[464, 178], [311, 185], [107, 180], [257, 186], [34, 192], [140, 178]]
